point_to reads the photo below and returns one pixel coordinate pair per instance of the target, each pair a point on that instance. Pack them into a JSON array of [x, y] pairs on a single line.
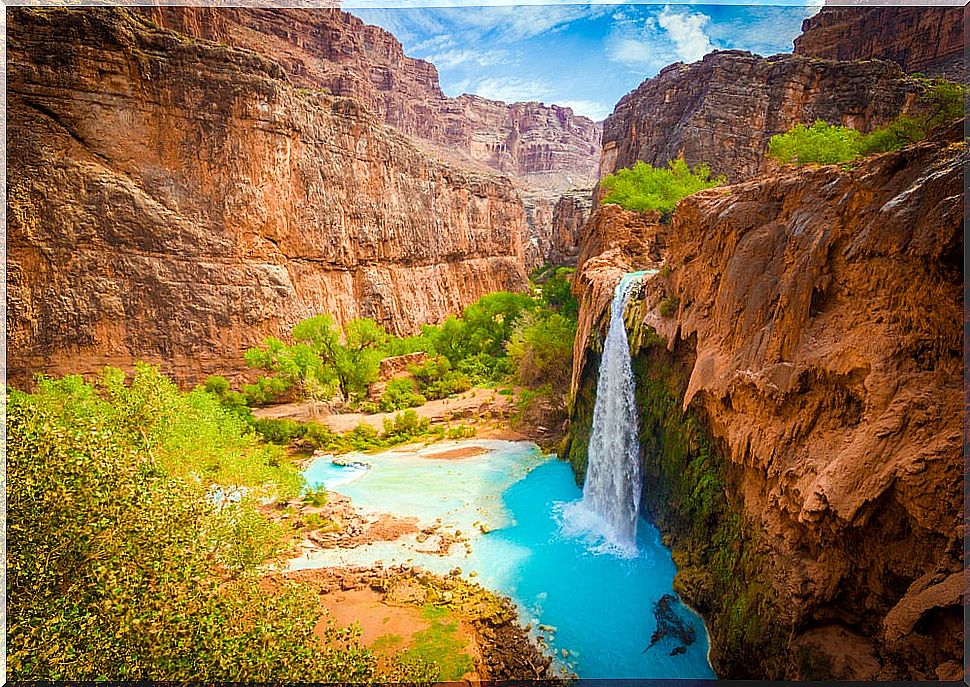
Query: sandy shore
[[474, 405]]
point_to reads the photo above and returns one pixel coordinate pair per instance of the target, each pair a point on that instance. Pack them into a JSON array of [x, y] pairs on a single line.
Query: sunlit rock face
[[817, 336], [544, 149], [723, 109], [925, 39], [174, 200]]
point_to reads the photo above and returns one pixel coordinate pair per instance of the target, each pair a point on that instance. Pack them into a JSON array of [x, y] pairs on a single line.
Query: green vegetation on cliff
[[644, 187], [825, 144], [124, 563], [687, 494]]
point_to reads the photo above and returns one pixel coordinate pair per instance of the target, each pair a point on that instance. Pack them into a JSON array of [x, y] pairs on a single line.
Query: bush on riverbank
[[402, 428], [123, 563]]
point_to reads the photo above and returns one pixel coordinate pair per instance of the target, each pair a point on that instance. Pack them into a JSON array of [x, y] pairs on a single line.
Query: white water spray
[[611, 494]]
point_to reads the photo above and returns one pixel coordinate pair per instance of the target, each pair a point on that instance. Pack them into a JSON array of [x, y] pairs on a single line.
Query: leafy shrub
[[315, 496], [669, 305], [557, 292], [461, 431], [400, 394], [319, 436], [820, 143], [120, 568], [436, 379], [363, 437], [368, 407], [279, 431], [404, 426], [824, 144], [266, 390], [643, 187], [217, 385], [542, 350]]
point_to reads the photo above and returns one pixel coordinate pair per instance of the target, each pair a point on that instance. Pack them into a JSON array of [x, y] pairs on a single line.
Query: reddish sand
[[456, 453]]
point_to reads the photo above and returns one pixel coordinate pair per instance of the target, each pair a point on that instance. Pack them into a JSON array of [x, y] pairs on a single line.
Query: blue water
[[598, 604]]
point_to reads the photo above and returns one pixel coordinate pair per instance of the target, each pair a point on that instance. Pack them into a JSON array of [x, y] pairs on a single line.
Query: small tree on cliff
[[644, 187]]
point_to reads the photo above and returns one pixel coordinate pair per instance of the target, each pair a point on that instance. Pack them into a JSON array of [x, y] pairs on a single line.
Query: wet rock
[[672, 623]]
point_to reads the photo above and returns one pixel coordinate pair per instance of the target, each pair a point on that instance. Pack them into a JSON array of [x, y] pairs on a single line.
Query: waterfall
[[611, 494]]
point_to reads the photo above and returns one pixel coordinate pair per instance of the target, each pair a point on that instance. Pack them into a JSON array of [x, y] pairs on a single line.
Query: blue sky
[[585, 56]]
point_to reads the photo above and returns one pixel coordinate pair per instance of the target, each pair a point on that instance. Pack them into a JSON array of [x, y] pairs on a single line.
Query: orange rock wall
[[176, 201], [818, 321]]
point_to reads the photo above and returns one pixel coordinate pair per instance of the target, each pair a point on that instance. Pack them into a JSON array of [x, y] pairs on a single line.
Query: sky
[[584, 56]]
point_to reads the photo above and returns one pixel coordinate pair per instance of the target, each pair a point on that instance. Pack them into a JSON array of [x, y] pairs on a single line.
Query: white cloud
[[686, 29], [593, 109], [434, 43], [630, 51], [452, 58], [509, 89], [515, 23]]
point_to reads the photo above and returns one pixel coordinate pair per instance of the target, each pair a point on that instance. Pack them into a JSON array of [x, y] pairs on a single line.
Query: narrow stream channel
[[594, 602]]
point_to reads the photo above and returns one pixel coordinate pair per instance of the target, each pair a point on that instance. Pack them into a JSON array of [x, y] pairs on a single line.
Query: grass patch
[[440, 645]]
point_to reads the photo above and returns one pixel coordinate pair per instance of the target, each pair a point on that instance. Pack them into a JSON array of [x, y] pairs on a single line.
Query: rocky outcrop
[[799, 382], [568, 217], [615, 241], [175, 201], [723, 110], [545, 150], [928, 40]]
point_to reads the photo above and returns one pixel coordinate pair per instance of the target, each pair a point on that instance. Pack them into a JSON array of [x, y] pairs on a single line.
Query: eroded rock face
[[919, 39], [615, 241], [176, 201], [818, 321], [724, 109], [568, 218], [545, 150]]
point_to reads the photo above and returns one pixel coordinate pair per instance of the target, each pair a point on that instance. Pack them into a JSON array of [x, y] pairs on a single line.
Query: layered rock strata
[[799, 382], [929, 40], [545, 150], [174, 200], [568, 218], [336, 51], [723, 109]]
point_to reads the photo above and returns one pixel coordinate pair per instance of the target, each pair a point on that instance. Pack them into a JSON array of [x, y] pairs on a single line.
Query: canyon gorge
[[184, 182]]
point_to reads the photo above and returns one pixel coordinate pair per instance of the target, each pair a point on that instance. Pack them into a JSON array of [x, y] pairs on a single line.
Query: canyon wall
[[723, 109], [928, 40], [545, 150], [568, 218], [175, 201], [798, 364]]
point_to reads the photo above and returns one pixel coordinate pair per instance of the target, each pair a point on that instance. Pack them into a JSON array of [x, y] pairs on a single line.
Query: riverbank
[[499, 519], [482, 406]]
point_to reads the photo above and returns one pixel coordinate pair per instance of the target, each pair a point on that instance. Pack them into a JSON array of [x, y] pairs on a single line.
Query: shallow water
[[600, 604]]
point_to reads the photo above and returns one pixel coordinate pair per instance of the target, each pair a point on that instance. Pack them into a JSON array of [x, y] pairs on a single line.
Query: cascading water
[[611, 494]]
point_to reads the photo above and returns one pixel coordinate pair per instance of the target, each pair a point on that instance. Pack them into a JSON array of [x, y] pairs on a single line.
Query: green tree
[[643, 187], [358, 359], [542, 350], [120, 566], [820, 143]]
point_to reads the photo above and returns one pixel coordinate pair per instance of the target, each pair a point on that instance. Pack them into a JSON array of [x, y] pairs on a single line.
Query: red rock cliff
[[816, 316], [174, 200], [724, 109], [919, 39], [545, 150]]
